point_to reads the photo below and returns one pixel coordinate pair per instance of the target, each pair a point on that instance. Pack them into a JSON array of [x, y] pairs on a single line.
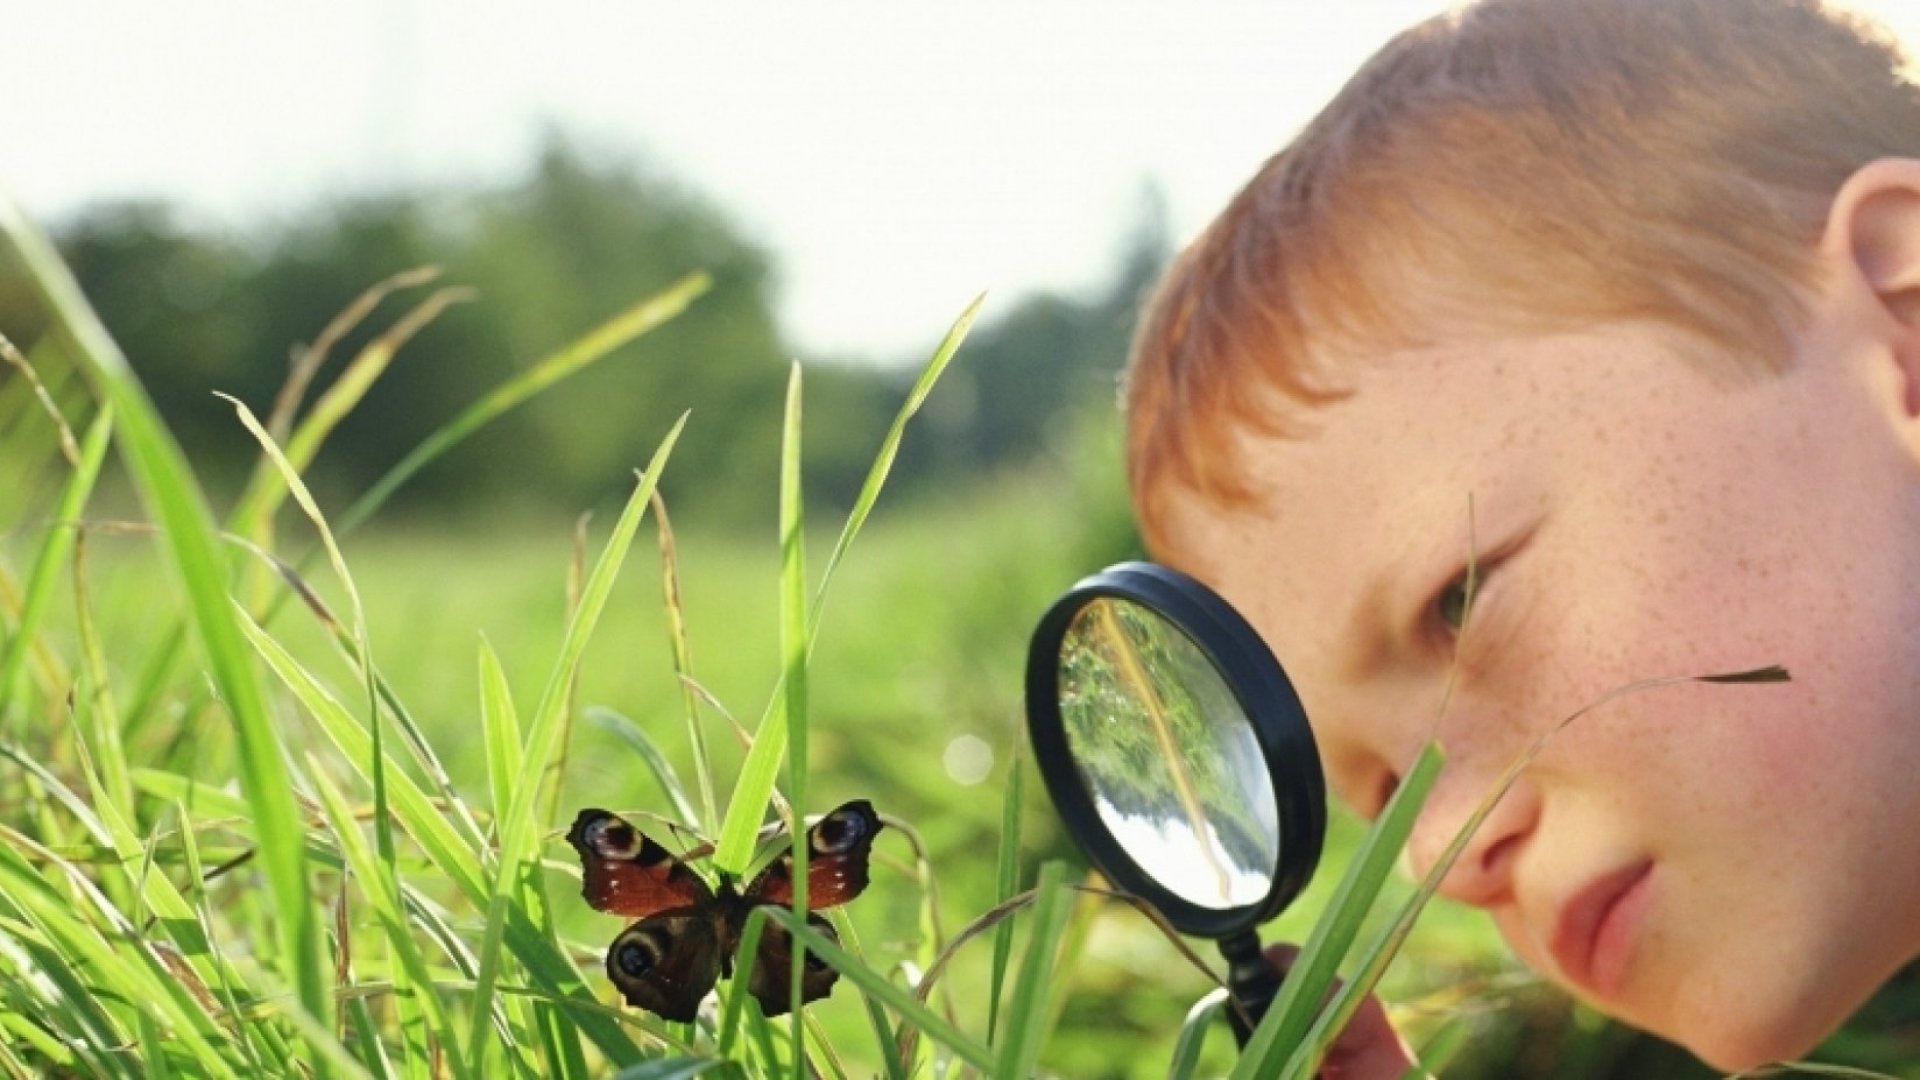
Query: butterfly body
[[687, 933]]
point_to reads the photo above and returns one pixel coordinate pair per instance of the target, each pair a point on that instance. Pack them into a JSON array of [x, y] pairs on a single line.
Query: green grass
[[244, 825]]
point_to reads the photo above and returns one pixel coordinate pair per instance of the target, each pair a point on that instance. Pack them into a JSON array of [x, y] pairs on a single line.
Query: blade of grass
[[53, 552], [361, 644], [1312, 975], [554, 770], [1437, 1052], [884, 1035], [257, 1041], [508, 1017], [422, 821], [630, 733], [173, 497], [896, 998], [794, 644], [1374, 960], [1027, 1014], [603, 339], [266, 491], [733, 1005], [980, 924], [683, 666], [110, 829], [76, 1023], [517, 830], [379, 877], [126, 966], [69, 448], [542, 957], [50, 672], [1088, 900], [933, 938], [377, 884], [754, 788], [678, 1068], [71, 1028], [34, 1039], [308, 360], [326, 1047], [517, 827], [821, 1049], [104, 729], [760, 1036], [500, 727], [410, 732], [1006, 883], [776, 737], [1193, 1033], [366, 1033], [890, 446]]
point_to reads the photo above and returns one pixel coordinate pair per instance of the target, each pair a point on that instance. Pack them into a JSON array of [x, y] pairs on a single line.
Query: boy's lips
[[1594, 934]]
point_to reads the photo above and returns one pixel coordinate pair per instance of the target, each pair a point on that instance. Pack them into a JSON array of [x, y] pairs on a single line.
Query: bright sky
[[896, 159]]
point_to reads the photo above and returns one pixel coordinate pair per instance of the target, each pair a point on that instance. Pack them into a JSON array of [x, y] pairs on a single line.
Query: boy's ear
[[1873, 228]]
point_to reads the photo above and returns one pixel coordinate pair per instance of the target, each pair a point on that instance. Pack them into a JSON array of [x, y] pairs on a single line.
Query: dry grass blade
[[69, 446], [307, 361], [683, 660], [267, 488]]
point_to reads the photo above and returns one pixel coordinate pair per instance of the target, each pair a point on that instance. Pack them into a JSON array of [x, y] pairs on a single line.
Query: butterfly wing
[[771, 981], [665, 964], [623, 872], [838, 848]]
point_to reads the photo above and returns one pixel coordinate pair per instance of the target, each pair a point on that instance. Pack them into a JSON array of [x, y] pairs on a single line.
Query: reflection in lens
[[1168, 752]]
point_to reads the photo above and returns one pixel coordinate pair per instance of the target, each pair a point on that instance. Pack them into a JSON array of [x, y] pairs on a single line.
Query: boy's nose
[[1482, 875]]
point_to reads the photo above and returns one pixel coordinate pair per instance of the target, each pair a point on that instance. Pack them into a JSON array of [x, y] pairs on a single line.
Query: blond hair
[[1549, 163]]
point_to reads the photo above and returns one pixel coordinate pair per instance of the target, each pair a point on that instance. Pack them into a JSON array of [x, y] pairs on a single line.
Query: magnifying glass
[[1179, 757]]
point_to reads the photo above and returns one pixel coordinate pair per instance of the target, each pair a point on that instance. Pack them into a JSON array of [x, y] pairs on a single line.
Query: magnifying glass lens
[[1179, 757], [1167, 751]]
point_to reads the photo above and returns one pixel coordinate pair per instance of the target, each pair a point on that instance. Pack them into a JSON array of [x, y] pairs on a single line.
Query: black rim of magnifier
[[1266, 696]]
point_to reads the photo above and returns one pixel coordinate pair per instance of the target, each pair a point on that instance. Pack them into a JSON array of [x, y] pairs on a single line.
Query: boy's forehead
[[1331, 500], [1384, 474]]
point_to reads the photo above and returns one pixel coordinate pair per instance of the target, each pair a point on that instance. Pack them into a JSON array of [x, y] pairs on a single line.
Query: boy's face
[[1731, 866]]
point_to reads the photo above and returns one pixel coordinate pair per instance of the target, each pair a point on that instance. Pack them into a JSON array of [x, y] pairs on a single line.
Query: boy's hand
[[1369, 1048]]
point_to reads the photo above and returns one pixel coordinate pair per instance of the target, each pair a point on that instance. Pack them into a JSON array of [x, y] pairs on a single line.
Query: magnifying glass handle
[[1253, 980]]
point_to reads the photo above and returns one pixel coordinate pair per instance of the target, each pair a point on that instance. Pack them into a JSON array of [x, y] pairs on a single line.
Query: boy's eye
[[1456, 599]]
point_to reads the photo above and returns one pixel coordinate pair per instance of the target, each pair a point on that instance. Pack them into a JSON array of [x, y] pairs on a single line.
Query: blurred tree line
[[576, 240]]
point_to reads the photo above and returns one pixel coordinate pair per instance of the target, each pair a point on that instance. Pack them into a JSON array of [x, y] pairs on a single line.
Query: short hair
[[1552, 164]]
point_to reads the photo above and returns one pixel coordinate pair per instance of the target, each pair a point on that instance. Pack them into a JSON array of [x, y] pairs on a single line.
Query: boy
[[1640, 279]]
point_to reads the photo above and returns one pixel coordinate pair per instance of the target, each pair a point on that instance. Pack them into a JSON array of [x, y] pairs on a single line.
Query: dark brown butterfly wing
[[838, 847], [666, 964], [623, 872], [771, 980]]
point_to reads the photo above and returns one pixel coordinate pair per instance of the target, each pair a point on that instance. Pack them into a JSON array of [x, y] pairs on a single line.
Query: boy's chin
[[1734, 1039], [1737, 1052]]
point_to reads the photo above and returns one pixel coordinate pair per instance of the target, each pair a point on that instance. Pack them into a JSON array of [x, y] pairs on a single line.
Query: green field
[[174, 817]]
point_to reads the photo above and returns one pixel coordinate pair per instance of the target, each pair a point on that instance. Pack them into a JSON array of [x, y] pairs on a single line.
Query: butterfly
[[686, 933]]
